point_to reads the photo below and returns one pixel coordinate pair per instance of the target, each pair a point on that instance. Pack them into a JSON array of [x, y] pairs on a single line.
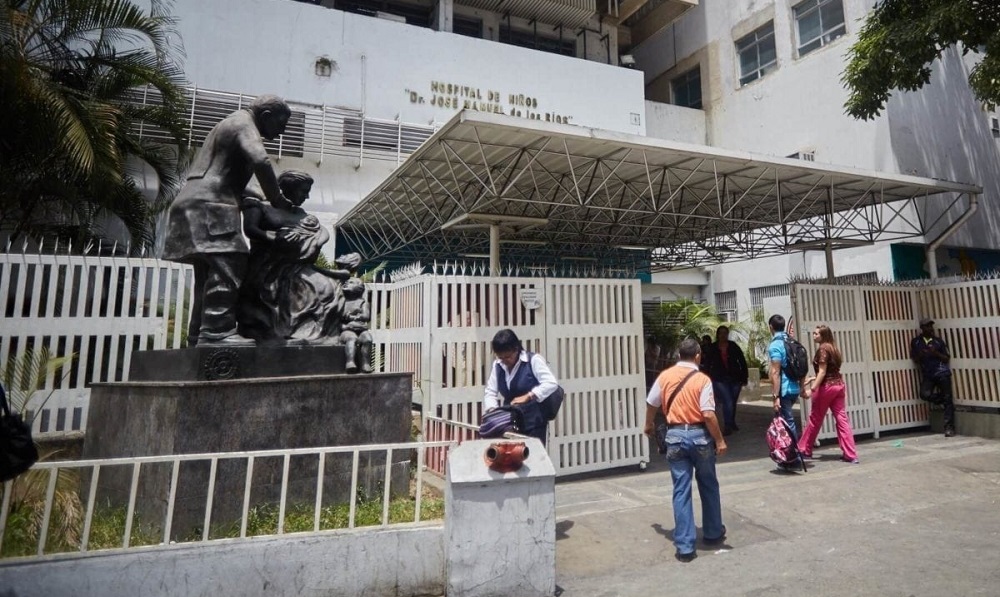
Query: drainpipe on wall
[[932, 247]]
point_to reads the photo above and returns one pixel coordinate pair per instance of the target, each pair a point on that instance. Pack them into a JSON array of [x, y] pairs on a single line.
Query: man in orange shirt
[[693, 440]]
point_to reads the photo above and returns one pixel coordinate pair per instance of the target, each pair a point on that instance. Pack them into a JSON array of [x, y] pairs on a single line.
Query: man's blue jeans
[[691, 453], [786, 413]]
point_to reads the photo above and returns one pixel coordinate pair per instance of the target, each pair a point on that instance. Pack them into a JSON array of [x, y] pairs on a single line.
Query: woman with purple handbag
[[520, 382]]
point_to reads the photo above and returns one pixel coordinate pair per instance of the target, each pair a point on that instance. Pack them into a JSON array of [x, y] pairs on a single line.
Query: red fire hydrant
[[506, 457]]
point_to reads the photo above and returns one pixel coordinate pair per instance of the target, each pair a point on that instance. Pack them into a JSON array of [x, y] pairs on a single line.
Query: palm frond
[[26, 373]]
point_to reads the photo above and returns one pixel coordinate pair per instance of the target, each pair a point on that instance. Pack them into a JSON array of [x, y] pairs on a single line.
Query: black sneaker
[[686, 557], [949, 432]]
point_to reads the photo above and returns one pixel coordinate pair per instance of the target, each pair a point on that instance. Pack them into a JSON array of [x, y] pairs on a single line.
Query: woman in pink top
[[828, 392]]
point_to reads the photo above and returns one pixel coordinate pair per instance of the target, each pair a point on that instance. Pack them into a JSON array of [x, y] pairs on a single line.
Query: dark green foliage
[[71, 72], [901, 38]]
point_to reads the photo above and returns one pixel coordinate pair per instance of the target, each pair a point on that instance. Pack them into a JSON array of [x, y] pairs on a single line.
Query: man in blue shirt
[[931, 354], [784, 390]]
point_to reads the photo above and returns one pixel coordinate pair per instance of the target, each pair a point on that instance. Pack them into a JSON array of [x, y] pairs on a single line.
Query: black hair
[[505, 341], [720, 328], [777, 323], [688, 349]]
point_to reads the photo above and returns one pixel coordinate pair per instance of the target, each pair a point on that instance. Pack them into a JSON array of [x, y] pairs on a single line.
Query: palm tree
[[70, 71], [676, 320]]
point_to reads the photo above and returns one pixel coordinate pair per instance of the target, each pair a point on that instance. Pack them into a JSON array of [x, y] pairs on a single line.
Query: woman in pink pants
[[827, 391]]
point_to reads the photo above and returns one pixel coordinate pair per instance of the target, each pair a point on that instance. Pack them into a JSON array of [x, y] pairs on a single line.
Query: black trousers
[[941, 386]]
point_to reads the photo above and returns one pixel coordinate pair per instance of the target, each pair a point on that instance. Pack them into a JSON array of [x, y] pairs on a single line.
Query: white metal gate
[[590, 330], [874, 326]]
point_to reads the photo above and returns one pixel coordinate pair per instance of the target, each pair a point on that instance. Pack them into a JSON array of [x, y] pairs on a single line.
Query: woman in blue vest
[[520, 378]]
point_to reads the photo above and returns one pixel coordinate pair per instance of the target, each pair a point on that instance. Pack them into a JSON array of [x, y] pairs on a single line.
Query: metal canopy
[[562, 192]]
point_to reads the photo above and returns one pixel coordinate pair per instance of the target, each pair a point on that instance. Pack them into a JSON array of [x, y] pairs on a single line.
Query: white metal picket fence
[[874, 324], [439, 326], [32, 503], [99, 308]]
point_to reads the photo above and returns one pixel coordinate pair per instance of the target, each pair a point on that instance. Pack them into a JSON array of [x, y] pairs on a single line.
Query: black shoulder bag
[[661, 429], [17, 450]]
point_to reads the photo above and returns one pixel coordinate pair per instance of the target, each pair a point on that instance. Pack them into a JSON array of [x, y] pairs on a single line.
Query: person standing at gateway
[[693, 440], [522, 379], [931, 353], [725, 364]]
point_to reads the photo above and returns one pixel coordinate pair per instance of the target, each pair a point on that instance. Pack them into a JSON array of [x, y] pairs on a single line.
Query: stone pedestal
[[500, 531], [163, 417], [210, 363]]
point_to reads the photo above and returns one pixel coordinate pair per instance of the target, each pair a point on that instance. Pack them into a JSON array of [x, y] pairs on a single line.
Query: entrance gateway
[[535, 199]]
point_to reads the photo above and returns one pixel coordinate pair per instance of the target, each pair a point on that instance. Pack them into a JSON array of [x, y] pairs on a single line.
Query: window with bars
[[818, 22], [413, 13], [528, 39], [725, 305], [808, 156], [757, 54], [686, 89], [467, 26], [757, 295]]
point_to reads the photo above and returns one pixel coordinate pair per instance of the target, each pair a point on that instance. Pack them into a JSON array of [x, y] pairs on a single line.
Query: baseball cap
[[926, 321]]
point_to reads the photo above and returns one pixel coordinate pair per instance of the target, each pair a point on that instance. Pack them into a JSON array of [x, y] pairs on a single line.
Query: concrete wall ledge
[[405, 561], [976, 421]]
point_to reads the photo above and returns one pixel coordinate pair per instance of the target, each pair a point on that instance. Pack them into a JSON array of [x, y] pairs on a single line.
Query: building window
[[687, 89], [527, 39], [725, 305], [818, 22], [467, 26], [757, 54], [396, 11], [757, 295]]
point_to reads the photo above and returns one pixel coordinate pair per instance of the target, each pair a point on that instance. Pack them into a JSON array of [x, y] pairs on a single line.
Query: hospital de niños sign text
[[466, 97]]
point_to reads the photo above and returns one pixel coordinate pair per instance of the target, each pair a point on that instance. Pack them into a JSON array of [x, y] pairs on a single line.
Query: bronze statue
[[203, 222], [286, 298], [356, 337]]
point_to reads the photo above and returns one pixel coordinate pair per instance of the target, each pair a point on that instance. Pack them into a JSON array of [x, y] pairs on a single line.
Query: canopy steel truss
[[562, 191]]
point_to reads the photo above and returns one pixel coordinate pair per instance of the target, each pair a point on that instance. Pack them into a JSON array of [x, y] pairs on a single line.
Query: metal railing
[[315, 131], [38, 489]]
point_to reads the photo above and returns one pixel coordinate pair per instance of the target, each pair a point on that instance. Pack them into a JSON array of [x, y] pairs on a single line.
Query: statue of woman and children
[[272, 292]]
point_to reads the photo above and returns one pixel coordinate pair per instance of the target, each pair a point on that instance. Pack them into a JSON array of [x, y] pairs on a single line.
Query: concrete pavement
[[920, 516]]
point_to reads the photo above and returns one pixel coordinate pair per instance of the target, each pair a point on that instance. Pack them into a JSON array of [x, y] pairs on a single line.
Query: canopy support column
[[494, 249]]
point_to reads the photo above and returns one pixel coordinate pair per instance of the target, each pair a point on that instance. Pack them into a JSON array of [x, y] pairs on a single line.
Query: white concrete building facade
[[769, 82], [752, 75]]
